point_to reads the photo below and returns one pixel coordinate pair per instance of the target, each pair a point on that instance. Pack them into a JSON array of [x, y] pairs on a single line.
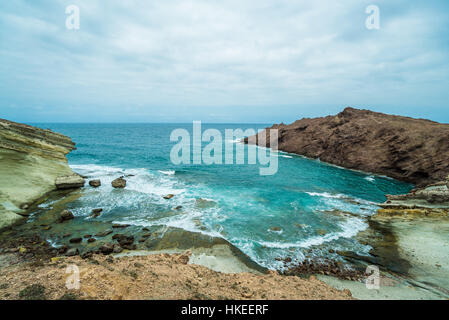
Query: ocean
[[307, 208]]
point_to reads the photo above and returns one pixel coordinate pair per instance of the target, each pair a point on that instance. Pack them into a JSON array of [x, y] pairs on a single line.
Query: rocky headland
[[407, 149], [32, 163]]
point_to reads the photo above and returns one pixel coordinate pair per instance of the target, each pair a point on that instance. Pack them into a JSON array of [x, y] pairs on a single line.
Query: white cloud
[[222, 53]]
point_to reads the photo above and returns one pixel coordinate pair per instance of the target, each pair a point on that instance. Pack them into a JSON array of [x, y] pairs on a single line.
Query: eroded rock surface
[[407, 149], [31, 159]]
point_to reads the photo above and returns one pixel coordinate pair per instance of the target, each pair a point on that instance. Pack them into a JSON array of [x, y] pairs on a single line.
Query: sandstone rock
[[119, 183], [169, 196], [66, 215], [69, 182], [407, 149], [31, 160], [95, 183]]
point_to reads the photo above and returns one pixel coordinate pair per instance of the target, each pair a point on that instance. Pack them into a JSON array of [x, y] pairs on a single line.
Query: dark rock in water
[[66, 235], [87, 254], [119, 226], [96, 213], [145, 229], [90, 240], [169, 196], [95, 183], [87, 236], [276, 229], [119, 183], [146, 235], [126, 242], [407, 149], [72, 252], [104, 233], [76, 240], [107, 248], [69, 182], [66, 215], [63, 249]]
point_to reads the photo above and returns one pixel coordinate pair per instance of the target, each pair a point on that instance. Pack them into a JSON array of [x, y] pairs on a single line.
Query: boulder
[[95, 183], [107, 248], [169, 196], [447, 182], [119, 183], [76, 240], [103, 233], [96, 213], [69, 182], [66, 215], [72, 252]]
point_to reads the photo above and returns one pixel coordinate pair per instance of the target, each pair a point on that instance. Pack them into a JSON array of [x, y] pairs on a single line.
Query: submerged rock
[[95, 183], [104, 233], [119, 183], [69, 182]]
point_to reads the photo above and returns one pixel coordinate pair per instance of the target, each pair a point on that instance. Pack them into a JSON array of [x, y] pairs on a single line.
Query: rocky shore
[[33, 163], [407, 149]]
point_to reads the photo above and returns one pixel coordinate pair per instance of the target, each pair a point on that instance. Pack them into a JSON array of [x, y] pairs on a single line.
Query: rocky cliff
[[407, 149], [31, 159]]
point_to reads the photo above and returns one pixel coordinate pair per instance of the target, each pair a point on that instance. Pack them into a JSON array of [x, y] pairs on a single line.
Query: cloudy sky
[[221, 61]]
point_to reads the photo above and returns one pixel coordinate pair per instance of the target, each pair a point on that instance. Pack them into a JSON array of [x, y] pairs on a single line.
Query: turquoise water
[[304, 200]]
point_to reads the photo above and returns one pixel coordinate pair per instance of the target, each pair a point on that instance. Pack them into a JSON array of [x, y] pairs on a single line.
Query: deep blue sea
[[299, 211]]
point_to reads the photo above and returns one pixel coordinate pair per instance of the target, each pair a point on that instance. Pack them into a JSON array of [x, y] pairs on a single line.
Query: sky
[[226, 61]]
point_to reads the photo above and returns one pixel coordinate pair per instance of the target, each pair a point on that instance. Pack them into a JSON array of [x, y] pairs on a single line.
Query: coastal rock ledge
[[31, 159], [407, 149]]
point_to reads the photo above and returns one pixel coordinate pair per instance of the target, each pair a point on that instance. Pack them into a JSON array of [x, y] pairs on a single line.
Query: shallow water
[[303, 200]]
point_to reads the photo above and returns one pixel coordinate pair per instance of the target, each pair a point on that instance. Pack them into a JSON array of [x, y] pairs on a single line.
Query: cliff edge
[[407, 149], [31, 159]]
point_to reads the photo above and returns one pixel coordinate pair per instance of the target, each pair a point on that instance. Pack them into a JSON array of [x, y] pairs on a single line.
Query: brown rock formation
[[31, 160], [407, 149]]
